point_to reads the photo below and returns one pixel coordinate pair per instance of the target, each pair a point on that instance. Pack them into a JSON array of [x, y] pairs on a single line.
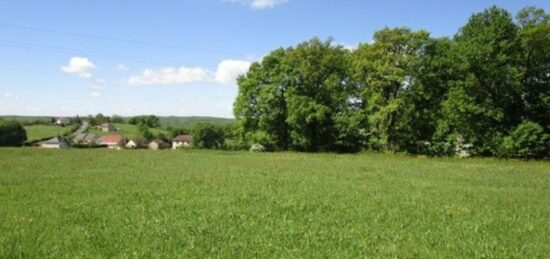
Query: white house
[[157, 144], [63, 121], [107, 127], [132, 144], [182, 141], [56, 142]]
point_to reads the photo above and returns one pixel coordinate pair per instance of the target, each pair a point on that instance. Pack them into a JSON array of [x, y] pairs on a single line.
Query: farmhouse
[[182, 141], [85, 138], [157, 144], [112, 141], [63, 121], [107, 127], [132, 144], [56, 142]]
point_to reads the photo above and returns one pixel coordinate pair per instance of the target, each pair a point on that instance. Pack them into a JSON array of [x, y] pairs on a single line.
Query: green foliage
[[12, 133], [208, 135], [215, 204], [150, 121], [405, 91], [528, 140], [41, 132]]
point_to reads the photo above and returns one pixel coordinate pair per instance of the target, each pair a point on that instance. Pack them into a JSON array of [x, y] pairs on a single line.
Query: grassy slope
[[127, 130], [36, 132], [175, 121], [104, 203]]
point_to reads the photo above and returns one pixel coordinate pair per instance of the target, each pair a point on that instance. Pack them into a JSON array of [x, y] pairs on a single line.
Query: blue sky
[[179, 57]]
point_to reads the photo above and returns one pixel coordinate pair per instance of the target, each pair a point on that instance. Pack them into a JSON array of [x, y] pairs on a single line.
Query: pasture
[[192, 203], [40, 131], [129, 131]]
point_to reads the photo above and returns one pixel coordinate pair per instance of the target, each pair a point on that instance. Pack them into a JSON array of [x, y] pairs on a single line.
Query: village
[[107, 135]]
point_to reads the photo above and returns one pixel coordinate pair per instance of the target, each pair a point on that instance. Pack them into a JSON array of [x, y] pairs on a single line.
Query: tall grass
[[192, 203]]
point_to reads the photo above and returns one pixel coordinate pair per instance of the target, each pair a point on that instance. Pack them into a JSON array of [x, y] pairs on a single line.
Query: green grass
[[106, 203], [127, 130], [37, 132]]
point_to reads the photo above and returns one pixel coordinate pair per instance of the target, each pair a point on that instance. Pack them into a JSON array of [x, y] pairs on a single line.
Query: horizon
[[180, 59]]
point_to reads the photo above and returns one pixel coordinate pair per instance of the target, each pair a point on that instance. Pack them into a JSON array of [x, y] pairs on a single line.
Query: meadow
[[193, 203], [40, 131], [127, 130]]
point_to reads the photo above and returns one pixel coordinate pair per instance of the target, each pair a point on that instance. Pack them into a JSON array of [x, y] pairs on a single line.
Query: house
[[63, 121], [85, 138], [157, 144], [132, 144], [111, 141], [182, 141], [107, 127], [56, 142], [90, 138]]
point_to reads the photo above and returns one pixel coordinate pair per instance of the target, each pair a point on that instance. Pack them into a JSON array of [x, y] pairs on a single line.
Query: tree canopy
[[404, 91]]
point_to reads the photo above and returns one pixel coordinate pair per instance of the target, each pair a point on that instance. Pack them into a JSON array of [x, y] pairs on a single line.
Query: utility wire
[[55, 49], [145, 43]]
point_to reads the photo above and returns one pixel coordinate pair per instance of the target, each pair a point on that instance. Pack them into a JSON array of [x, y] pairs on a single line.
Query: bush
[[257, 148], [528, 140], [12, 133], [208, 135]]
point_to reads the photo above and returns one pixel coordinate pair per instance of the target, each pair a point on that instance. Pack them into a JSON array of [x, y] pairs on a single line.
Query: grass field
[[37, 132], [127, 130], [105, 203]]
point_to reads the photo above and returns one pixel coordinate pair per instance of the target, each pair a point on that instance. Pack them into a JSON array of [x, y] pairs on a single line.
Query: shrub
[[208, 135], [528, 140], [12, 133], [257, 148]]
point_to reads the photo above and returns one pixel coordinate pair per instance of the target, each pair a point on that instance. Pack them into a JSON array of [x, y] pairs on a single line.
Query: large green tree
[[535, 43], [12, 133], [384, 71], [487, 101]]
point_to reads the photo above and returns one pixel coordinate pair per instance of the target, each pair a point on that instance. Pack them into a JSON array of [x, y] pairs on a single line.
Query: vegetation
[[129, 131], [39, 131], [406, 91], [150, 121], [12, 133], [104, 203], [208, 135]]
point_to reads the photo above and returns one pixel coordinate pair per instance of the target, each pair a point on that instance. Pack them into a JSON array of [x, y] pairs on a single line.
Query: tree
[[535, 44], [208, 135], [117, 119], [294, 97], [150, 121], [528, 140], [12, 133], [485, 102], [384, 72], [433, 72]]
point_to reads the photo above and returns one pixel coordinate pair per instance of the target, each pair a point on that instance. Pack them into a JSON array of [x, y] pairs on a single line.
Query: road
[[82, 128]]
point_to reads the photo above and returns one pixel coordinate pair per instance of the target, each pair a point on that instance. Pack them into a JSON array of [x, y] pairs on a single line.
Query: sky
[[182, 57]]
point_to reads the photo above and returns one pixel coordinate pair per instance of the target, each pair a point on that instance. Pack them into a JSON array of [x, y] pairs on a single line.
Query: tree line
[[484, 91]]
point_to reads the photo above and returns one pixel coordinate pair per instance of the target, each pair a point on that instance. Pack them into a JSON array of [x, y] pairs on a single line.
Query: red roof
[[183, 138], [112, 139]]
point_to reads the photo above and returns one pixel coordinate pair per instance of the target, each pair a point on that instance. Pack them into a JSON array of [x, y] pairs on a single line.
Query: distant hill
[[24, 119], [176, 121], [165, 121]]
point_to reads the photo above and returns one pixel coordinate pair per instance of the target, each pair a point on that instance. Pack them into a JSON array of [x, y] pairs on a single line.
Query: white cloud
[[226, 73], [258, 4], [171, 76], [229, 70], [7, 95], [122, 67], [95, 94], [81, 66]]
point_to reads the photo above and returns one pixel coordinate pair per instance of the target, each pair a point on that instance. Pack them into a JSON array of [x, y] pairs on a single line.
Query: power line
[[116, 39], [55, 49]]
